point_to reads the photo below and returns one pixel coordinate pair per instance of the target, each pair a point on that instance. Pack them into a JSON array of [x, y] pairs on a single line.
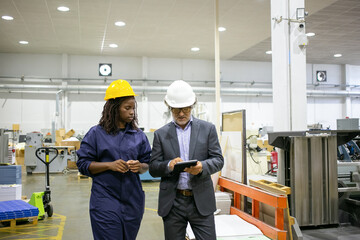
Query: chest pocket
[[130, 147], [132, 153]]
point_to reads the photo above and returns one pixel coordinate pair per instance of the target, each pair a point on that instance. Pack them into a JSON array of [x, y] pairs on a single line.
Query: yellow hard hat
[[119, 88]]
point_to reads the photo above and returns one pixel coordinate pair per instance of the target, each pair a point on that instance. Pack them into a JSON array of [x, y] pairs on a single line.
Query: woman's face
[[126, 112]]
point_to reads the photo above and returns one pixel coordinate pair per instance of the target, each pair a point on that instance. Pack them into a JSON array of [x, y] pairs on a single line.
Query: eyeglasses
[[178, 110]]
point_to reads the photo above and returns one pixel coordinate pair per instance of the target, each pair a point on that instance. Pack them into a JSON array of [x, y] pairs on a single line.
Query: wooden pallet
[[271, 186], [33, 220], [278, 189]]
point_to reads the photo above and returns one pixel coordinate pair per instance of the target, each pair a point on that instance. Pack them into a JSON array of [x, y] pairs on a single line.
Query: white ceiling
[[169, 28]]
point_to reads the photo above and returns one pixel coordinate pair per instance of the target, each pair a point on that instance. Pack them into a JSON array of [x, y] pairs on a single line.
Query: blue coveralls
[[117, 199]]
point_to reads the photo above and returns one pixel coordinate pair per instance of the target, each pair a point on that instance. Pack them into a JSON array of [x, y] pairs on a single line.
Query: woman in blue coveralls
[[113, 153]]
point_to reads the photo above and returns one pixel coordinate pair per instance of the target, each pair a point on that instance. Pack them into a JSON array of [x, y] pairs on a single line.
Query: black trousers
[[184, 211]]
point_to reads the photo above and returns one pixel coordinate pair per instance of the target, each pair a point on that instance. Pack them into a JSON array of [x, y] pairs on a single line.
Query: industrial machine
[[349, 152], [146, 176], [4, 143], [309, 165], [349, 183], [7, 153], [34, 141]]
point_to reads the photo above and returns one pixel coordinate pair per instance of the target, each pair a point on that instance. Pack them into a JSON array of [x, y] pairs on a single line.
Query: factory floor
[[70, 198]]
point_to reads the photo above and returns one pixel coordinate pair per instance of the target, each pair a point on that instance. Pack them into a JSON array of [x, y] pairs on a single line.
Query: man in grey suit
[[187, 197]]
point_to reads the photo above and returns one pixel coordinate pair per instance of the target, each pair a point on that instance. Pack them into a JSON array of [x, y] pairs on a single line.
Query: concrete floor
[[70, 198]]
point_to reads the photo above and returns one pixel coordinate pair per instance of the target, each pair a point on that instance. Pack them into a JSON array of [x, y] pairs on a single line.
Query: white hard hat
[[180, 94]]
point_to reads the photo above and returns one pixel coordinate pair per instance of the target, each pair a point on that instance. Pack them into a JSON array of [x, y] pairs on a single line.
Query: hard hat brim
[[180, 105], [135, 95]]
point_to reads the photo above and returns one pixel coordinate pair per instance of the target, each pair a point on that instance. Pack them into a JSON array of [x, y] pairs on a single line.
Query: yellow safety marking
[[37, 230], [61, 227], [151, 209]]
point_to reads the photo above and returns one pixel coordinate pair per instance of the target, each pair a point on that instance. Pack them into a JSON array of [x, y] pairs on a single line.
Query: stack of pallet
[[10, 182], [11, 211]]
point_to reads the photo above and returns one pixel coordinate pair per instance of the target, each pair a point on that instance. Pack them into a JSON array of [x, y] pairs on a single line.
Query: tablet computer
[[180, 166]]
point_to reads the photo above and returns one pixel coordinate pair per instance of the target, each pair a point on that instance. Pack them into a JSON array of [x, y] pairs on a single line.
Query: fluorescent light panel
[[120, 24], [9, 18], [63, 9]]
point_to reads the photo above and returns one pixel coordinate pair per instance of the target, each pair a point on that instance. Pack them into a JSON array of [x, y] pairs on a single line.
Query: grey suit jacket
[[204, 147]]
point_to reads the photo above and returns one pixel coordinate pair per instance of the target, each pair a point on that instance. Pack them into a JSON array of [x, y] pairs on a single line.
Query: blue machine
[[349, 151], [146, 176]]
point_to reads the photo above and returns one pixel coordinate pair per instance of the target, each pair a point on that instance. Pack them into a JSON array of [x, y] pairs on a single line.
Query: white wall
[[325, 111], [87, 66], [34, 65], [35, 111]]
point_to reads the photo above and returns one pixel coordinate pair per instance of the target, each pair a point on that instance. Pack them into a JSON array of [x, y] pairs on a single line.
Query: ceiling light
[[7, 18], [63, 9], [120, 24], [221, 29], [24, 42], [195, 49], [113, 45], [337, 55], [268, 52], [310, 34]]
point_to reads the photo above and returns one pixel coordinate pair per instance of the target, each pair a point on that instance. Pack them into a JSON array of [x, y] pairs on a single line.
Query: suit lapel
[[173, 139], [193, 138]]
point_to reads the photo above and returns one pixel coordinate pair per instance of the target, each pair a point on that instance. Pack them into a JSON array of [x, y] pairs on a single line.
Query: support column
[[288, 66], [144, 98], [217, 68], [288, 71], [348, 82], [64, 111]]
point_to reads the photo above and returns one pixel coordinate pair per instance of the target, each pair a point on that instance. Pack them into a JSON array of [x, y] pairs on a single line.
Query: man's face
[[181, 115]]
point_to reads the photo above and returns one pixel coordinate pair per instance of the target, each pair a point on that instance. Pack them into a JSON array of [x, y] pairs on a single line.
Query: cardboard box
[[76, 144], [60, 133], [267, 146], [19, 153], [260, 143], [16, 127], [58, 141], [19, 161], [69, 134], [71, 164]]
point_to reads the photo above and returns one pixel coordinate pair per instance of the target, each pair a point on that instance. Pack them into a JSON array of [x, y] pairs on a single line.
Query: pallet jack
[[42, 200]]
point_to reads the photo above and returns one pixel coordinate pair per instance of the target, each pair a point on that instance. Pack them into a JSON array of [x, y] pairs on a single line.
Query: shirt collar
[[187, 125]]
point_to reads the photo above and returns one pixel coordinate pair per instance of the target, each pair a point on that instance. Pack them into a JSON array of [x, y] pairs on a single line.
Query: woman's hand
[[119, 166], [134, 165]]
